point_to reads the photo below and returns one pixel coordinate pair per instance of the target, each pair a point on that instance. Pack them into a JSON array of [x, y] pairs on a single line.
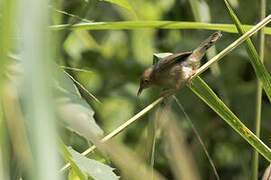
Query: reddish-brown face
[[145, 80]]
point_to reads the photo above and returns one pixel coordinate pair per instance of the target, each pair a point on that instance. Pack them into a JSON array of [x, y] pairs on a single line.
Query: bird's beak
[[139, 91]]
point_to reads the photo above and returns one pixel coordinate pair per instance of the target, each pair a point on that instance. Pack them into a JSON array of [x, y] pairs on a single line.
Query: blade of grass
[[152, 24], [255, 60], [204, 92], [255, 157], [8, 12], [37, 99]]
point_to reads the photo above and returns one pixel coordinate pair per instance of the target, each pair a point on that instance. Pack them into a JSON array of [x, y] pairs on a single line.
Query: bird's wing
[[170, 60]]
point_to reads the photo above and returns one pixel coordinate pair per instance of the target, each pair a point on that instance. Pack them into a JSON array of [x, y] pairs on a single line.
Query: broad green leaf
[[255, 60], [123, 3], [153, 24], [68, 158], [84, 167], [73, 176], [204, 92], [74, 110]]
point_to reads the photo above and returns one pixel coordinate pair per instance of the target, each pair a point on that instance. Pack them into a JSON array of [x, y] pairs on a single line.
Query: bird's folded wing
[[170, 60]]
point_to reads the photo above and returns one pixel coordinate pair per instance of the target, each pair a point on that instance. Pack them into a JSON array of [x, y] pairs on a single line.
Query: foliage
[[81, 73]]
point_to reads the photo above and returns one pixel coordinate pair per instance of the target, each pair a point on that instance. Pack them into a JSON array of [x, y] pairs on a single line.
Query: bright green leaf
[[255, 60], [84, 167], [204, 92], [153, 24], [93, 168], [74, 110], [72, 175]]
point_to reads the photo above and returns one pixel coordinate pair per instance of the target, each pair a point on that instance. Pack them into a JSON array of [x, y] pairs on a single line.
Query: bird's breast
[[168, 78]]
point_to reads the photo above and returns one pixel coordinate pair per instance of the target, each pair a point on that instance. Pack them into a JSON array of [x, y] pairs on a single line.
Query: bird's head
[[146, 80]]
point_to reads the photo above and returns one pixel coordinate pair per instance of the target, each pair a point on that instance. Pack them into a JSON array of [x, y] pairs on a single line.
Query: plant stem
[[198, 137], [37, 53], [79, 84], [132, 25], [255, 158], [119, 129]]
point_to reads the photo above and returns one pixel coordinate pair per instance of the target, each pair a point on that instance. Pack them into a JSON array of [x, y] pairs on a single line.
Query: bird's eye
[[146, 81]]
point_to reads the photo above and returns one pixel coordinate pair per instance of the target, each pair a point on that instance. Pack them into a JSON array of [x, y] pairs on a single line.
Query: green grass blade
[[152, 24], [255, 60], [37, 99], [258, 114], [7, 18], [204, 92]]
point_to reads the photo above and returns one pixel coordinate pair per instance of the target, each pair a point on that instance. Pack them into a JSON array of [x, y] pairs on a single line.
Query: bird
[[174, 71]]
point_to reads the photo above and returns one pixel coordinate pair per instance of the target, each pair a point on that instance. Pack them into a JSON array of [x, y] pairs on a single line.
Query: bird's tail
[[199, 52]]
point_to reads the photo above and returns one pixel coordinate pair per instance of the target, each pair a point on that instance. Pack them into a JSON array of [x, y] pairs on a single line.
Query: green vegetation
[[69, 76]]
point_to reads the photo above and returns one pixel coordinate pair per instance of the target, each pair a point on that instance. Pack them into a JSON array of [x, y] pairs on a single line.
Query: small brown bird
[[175, 70]]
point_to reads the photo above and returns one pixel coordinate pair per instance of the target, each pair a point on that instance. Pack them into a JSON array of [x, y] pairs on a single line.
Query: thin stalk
[[75, 69], [255, 158], [198, 137], [71, 15], [119, 129], [153, 152], [90, 94]]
